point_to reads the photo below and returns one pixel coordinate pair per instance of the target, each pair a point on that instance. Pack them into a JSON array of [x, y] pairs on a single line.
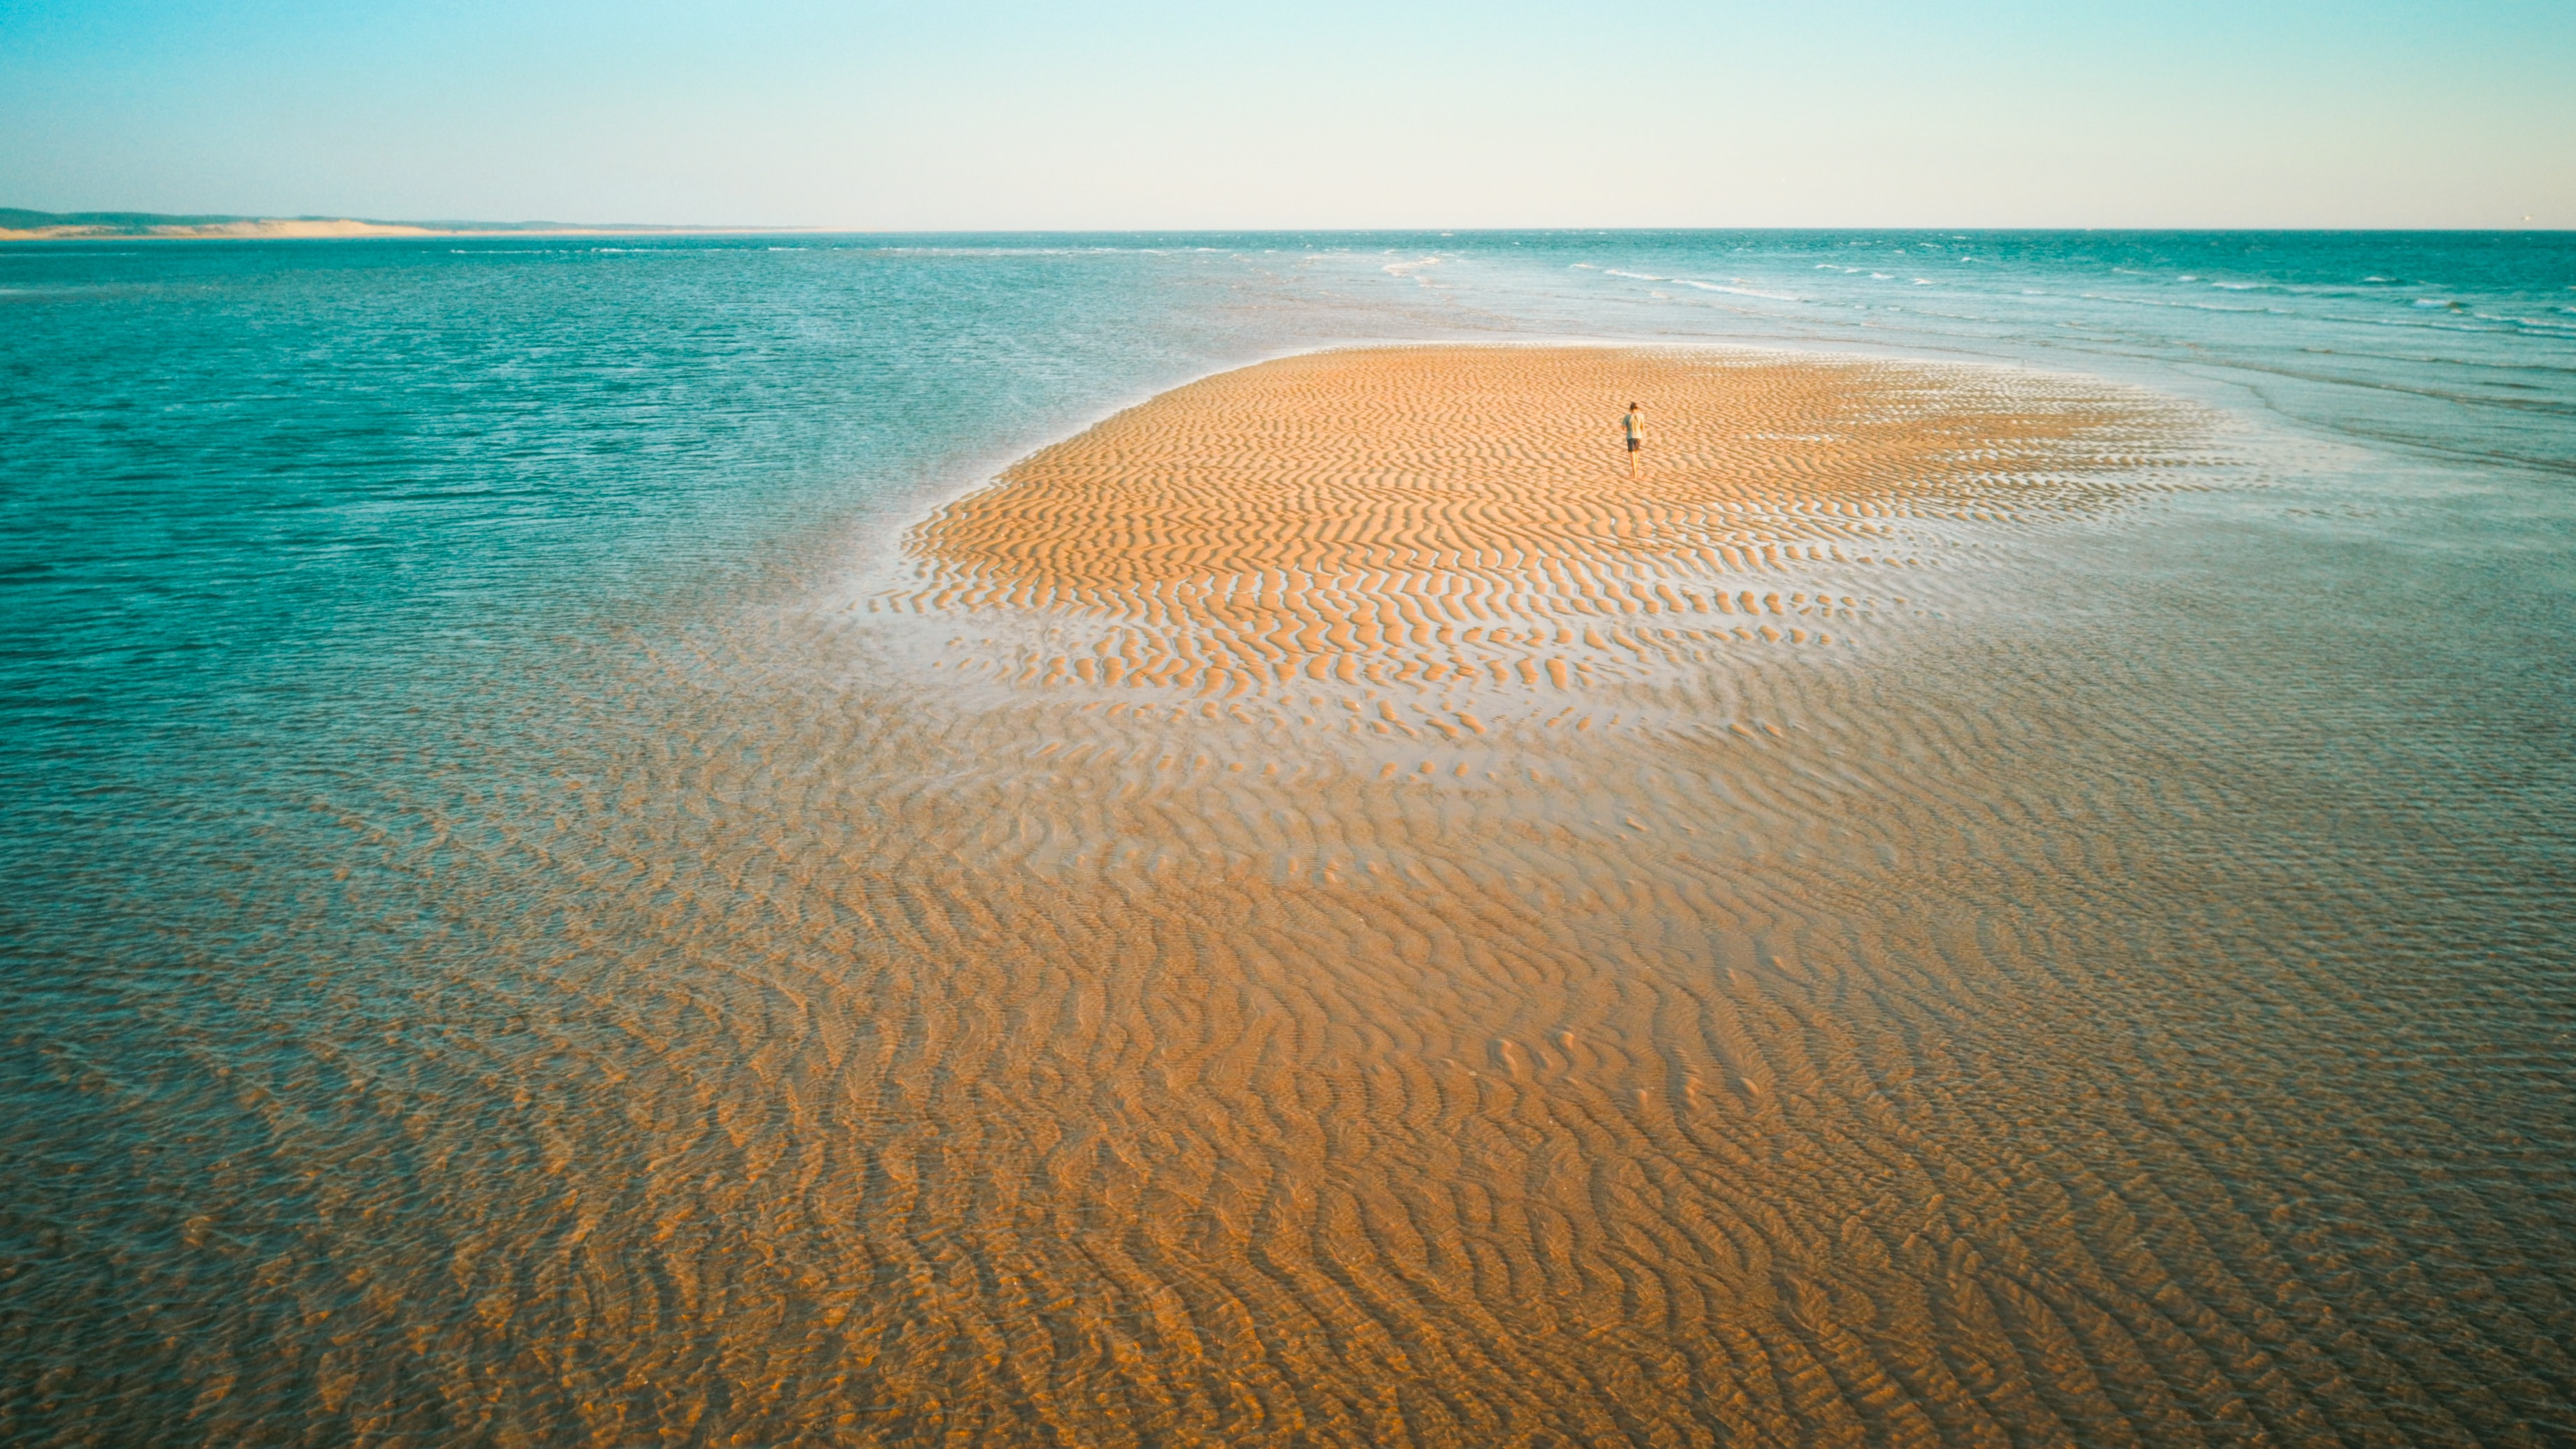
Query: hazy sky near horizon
[[1012, 114]]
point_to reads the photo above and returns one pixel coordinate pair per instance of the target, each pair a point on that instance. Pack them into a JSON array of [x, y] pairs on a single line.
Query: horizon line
[[29, 225]]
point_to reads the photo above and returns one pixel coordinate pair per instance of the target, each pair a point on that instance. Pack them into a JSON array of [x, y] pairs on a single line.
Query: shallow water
[[502, 949]]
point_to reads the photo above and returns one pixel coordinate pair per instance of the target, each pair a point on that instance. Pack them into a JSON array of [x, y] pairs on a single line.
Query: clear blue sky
[[1320, 113]]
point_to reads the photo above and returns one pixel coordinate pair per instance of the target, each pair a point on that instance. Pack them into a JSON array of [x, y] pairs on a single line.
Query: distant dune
[[20, 225]]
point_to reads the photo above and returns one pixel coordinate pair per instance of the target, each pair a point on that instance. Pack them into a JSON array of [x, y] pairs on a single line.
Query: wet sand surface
[[1318, 912], [1423, 516]]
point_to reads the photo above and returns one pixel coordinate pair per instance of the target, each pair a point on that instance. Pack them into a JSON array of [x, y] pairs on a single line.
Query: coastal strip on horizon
[[17, 224]]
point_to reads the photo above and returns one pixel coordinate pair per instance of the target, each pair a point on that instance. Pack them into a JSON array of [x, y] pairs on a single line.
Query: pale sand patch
[[330, 229], [258, 229], [1444, 515]]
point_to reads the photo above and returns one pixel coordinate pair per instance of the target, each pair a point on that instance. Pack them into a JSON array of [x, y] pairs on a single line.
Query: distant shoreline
[[18, 225]]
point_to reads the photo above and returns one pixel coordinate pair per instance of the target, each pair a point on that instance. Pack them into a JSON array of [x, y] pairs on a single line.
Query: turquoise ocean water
[[299, 539], [257, 495]]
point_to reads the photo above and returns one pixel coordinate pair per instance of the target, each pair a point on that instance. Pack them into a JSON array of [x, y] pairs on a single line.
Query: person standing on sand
[[1636, 437]]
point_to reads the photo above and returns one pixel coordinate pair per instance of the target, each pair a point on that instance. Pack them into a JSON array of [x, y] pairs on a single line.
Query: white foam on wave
[[2184, 306], [1740, 291]]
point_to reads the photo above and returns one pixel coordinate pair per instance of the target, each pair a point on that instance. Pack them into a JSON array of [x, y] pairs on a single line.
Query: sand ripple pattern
[[1454, 515], [2002, 1040]]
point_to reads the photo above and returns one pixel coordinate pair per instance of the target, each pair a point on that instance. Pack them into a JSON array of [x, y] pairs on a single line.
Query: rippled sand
[[1453, 515], [1378, 931]]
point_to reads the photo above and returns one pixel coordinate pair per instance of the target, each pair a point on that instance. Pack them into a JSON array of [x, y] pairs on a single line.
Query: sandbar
[[1447, 514]]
